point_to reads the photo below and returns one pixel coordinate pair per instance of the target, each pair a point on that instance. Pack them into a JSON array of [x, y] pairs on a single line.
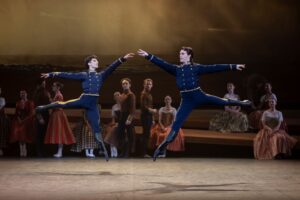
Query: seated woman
[[166, 117], [255, 116], [272, 141], [232, 119]]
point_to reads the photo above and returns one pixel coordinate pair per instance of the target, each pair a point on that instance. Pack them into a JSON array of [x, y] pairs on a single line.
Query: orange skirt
[[59, 131], [267, 145], [158, 136], [23, 132]]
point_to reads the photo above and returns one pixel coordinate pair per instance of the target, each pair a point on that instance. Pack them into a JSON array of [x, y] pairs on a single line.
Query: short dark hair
[[148, 79], [88, 59], [126, 79], [58, 84], [189, 51]]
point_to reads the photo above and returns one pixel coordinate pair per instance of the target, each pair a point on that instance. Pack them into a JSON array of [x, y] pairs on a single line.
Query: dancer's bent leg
[[184, 110], [61, 104]]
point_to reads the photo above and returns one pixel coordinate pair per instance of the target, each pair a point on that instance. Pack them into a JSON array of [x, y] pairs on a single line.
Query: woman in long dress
[[58, 130], [23, 123], [272, 140]]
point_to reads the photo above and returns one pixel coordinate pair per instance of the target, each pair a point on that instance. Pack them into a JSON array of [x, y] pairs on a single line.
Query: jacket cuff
[[53, 74], [233, 66], [122, 59], [149, 57]]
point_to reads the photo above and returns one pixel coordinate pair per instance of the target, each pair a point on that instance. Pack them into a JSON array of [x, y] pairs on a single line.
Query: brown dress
[[158, 134], [126, 133], [110, 130], [268, 144]]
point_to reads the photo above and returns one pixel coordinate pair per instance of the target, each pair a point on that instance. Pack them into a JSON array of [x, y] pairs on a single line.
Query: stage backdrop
[[42, 35]]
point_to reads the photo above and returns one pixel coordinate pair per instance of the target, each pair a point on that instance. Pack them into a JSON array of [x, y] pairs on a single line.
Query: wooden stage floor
[[170, 178]]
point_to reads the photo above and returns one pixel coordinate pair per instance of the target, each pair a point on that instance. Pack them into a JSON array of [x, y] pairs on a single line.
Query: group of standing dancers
[[187, 78]]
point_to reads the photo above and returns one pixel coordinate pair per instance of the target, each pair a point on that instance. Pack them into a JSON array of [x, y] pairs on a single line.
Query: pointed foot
[[246, 103], [158, 152]]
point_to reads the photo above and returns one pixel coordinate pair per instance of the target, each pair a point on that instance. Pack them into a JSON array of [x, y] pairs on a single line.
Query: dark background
[[40, 36]]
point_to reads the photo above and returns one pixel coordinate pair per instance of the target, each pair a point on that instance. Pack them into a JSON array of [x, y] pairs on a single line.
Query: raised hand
[[129, 55], [44, 75], [143, 53], [128, 122], [152, 110], [240, 67]]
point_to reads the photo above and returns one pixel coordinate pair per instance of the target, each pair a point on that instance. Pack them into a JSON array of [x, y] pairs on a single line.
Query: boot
[[239, 103], [59, 151], [161, 149], [45, 107], [99, 139], [163, 155]]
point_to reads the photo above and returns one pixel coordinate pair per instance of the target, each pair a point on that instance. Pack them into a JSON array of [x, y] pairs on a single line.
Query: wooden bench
[[214, 137], [193, 133]]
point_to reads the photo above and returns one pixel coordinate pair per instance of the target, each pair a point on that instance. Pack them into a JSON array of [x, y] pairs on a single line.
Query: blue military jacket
[[91, 81], [187, 76]]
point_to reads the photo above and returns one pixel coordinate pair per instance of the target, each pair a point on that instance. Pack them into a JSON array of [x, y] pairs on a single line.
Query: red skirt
[[22, 131], [158, 135], [59, 131]]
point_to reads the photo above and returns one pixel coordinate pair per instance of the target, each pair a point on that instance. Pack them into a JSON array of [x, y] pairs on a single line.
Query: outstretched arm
[[204, 69], [170, 68], [107, 71], [66, 75]]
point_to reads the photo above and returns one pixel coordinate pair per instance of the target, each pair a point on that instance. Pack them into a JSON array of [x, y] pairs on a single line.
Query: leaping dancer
[[187, 78], [92, 82]]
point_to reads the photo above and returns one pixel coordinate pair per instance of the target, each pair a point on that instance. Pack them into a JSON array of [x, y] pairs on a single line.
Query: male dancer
[[187, 75], [91, 84], [147, 112]]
